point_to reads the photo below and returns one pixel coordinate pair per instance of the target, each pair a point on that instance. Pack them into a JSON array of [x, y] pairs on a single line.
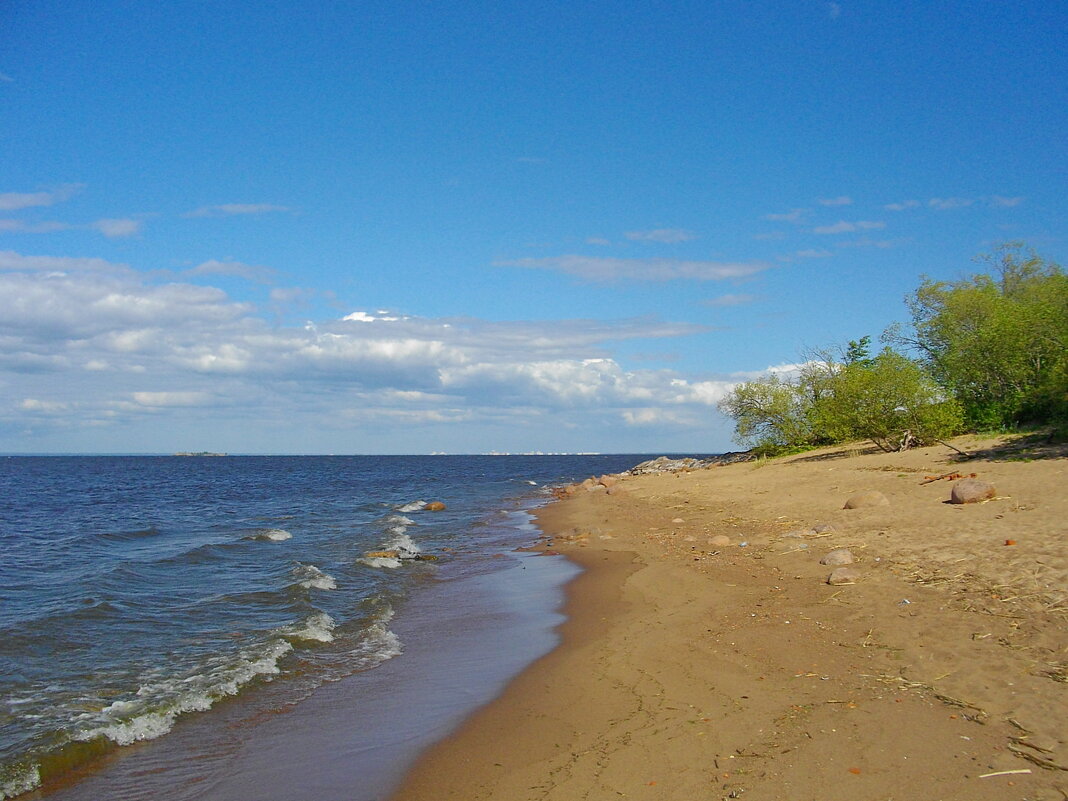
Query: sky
[[388, 227]]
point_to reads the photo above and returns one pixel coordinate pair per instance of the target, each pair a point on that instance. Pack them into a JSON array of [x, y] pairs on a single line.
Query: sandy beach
[[697, 667]]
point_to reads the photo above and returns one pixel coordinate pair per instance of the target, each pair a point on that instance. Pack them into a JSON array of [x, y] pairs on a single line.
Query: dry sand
[[694, 671]]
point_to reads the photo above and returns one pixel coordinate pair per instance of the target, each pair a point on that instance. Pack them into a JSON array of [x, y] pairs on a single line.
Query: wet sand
[[694, 670]]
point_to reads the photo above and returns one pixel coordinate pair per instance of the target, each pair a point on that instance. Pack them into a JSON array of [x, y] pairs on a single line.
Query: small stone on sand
[[843, 575], [719, 541], [839, 556]]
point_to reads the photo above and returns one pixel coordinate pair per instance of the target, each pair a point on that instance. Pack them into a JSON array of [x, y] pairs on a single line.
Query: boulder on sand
[[839, 556], [971, 490], [843, 575], [863, 500]]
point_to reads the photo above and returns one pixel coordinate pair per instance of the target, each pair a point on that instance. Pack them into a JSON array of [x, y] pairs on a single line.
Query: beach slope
[[705, 656]]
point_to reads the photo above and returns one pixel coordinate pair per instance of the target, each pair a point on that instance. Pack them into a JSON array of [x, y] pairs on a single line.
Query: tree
[[888, 400], [769, 412], [997, 342]]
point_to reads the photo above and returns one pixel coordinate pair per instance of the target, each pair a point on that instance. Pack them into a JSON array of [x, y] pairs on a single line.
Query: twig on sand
[[1016, 772], [965, 454], [1048, 764]]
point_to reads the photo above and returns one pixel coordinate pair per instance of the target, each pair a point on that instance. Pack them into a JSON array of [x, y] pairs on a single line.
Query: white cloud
[[807, 253], [117, 228], [867, 242], [250, 272], [662, 235], [654, 416], [905, 204], [997, 201], [603, 269], [834, 10], [86, 342], [794, 216], [170, 399], [11, 201], [842, 227], [598, 240], [232, 209], [25, 227], [730, 300], [841, 200], [10, 260], [947, 203], [47, 407]]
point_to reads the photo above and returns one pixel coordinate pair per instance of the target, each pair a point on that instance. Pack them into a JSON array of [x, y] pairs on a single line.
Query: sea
[[262, 627]]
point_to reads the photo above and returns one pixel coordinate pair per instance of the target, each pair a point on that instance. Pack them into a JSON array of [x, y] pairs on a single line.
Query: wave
[[397, 549], [310, 577], [414, 506], [18, 779], [270, 534], [317, 628], [378, 644], [155, 706]]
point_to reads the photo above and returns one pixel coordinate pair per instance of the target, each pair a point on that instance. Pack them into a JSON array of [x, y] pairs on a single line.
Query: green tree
[[769, 412], [888, 400], [997, 341]]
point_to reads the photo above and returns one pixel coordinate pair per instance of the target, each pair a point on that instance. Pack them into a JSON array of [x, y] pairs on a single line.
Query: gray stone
[[972, 490], [839, 556]]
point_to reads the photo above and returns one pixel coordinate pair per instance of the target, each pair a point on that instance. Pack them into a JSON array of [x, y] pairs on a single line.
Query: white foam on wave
[[318, 628], [414, 506], [19, 780], [270, 535], [155, 707], [312, 577], [400, 520], [380, 561], [378, 643]]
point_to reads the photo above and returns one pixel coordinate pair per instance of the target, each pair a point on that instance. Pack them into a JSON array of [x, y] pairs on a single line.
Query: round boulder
[[971, 490], [435, 506], [863, 500], [843, 575], [839, 556]]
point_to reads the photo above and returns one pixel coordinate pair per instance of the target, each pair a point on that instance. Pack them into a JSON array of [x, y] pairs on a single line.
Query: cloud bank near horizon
[[92, 343]]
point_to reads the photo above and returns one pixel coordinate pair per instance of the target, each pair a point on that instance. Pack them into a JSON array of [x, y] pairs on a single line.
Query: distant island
[[199, 453]]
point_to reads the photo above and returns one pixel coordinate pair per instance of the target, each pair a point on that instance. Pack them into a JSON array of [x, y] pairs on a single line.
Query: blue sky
[[279, 227]]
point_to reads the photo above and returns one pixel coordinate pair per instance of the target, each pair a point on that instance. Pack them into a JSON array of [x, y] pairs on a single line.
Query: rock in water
[[435, 506], [971, 490], [839, 556], [843, 575], [862, 500]]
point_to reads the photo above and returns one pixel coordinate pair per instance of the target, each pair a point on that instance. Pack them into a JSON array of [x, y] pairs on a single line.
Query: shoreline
[[692, 670]]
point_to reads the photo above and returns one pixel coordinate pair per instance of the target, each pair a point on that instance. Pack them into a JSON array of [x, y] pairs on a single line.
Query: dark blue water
[[136, 592]]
